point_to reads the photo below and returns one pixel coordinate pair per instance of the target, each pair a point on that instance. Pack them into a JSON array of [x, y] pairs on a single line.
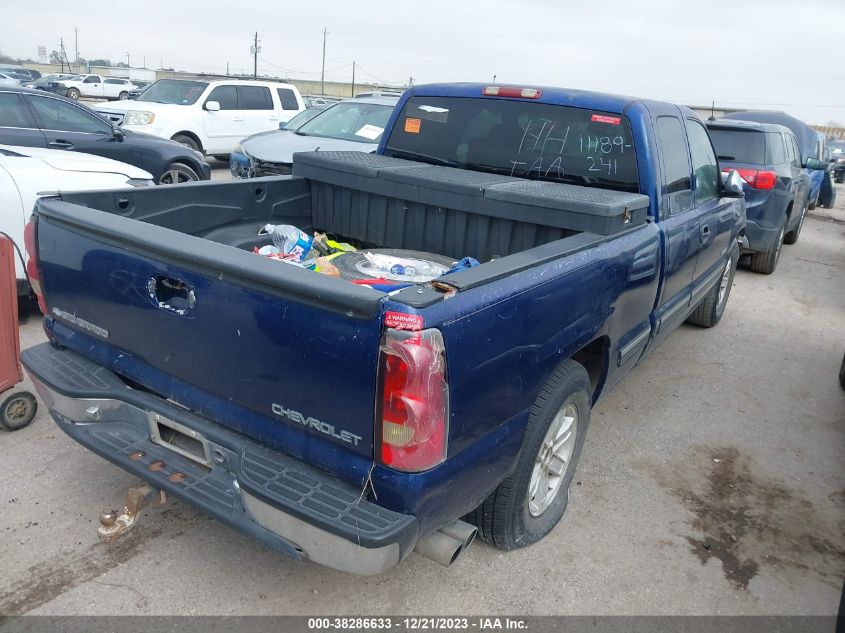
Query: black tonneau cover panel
[[548, 204]]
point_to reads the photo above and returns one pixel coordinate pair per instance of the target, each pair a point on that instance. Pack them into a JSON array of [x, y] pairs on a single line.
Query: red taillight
[[414, 400], [756, 179], [32, 262], [510, 91]]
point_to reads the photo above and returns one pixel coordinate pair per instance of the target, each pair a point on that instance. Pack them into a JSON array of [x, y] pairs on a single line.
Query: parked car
[[35, 119], [238, 161], [16, 74], [44, 82], [776, 186], [208, 116], [837, 158], [7, 81], [140, 86], [355, 124], [26, 74], [806, 137], [26, 173], [93, 86], [363, 423]]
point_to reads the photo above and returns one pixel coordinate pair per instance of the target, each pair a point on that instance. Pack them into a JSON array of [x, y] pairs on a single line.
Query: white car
[[9, 82], [27, 172], [95, 86], [209, 116]]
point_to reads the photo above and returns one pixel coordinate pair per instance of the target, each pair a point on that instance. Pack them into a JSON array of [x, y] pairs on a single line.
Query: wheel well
[[191, 135], [593, 357], [788, 211]]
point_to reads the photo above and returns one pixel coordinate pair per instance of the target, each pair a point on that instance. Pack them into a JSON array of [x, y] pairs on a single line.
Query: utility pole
[[353, 77], [76, 43], [227, 69], [255, 50], [127, 58], [323, 72], [62, 49]]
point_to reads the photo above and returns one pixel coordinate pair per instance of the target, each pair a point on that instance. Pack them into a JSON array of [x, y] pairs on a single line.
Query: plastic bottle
[[289, 239]]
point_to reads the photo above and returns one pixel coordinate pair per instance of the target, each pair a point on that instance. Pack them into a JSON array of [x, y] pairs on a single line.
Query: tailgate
[[281, 354]]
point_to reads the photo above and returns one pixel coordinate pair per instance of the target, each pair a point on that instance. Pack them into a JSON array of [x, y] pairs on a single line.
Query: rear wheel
[[528, 505], [187, 141], [176, 173], [767, 261], [123, 96], [73, 93], [709, 311], [792, 236]]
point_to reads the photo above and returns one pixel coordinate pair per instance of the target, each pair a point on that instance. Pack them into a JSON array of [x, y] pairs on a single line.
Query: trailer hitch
[[113, 525]]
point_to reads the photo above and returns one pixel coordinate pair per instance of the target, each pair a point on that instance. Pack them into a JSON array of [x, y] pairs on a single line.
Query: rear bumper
[[760, 238], [282, 502]]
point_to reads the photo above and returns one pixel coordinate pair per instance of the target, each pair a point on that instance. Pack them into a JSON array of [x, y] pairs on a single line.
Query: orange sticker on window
[[412, 126]]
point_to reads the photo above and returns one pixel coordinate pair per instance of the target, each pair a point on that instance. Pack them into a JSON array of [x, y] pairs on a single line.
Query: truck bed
[[261, 336]]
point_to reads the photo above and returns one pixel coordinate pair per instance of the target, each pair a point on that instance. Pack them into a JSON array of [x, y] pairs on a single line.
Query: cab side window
[[226, 96], [798, 162], [677, 184], [254, 98], [57, 115], [93, 79], [704, 166]]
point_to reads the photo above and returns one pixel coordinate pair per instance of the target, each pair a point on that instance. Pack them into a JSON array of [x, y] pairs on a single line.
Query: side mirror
[[118, 133], [814, 163], [212, 106], [732, 184]]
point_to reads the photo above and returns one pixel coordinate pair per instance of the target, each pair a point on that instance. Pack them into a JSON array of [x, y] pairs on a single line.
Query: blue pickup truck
[[351, 424]]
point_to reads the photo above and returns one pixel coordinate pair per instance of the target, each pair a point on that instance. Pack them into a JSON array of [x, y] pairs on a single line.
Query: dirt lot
[[712, 482]]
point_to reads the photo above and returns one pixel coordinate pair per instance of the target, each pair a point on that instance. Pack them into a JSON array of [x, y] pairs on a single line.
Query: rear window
[[740, 146], [288, 99], [518, 138]]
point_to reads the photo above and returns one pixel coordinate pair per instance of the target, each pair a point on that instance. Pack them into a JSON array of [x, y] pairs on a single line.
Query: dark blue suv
[[777, 187]]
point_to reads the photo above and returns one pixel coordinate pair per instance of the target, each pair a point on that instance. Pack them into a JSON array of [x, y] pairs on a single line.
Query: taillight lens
[[32, 262], [414, 400], [757, 179]]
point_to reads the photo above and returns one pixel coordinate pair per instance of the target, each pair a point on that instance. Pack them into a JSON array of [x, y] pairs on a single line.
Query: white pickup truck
[[96, 86], [209, 116]]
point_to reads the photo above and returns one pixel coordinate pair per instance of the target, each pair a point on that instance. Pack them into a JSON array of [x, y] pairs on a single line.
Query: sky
[[770, 54]]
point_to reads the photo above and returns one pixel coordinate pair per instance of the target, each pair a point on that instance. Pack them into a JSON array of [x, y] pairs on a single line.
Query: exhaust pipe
[[446, 544]]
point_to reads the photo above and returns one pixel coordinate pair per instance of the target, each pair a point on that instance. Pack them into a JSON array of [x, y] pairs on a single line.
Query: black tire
[[73, 93], [176, 173], [186, 141], [709, 312], [123, 96], [17, 411], [348, 262], [839, 178], [765, 262], [504, 519], [792, 236]]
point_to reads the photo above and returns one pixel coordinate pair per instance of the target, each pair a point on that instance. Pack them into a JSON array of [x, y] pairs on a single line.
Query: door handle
[[60, 145], [237, 118], [172, 294]]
